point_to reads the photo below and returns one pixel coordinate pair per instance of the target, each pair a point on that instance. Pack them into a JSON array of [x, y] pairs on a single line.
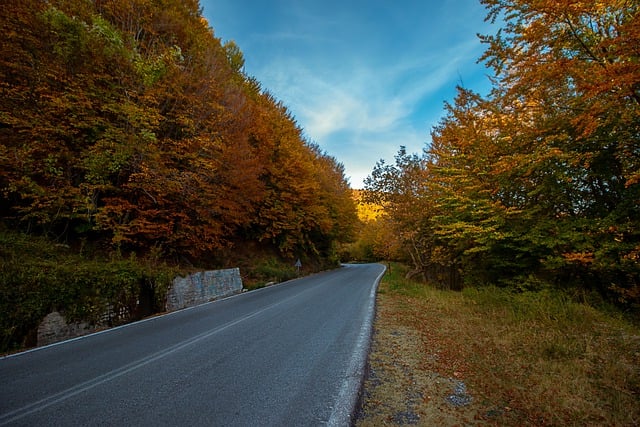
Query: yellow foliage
[[366, 211]]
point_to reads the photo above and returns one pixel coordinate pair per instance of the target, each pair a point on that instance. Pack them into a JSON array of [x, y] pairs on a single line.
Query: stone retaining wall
[[54, 328], [185, 292], [202, 287]]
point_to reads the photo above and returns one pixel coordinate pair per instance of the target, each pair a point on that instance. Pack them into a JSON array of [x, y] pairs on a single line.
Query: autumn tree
[[401, 190], [569, 80], [307, 202], [537, 184]]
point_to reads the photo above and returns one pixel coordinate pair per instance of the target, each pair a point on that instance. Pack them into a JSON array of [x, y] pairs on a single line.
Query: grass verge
[[491, 357]]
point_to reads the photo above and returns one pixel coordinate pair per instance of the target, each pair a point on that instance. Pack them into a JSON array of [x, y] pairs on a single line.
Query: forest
[[535, 185], [132, 140], [128, 122]]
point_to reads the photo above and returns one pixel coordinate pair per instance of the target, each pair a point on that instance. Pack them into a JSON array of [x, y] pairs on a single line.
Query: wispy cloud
[[365, 112], [361, 81]]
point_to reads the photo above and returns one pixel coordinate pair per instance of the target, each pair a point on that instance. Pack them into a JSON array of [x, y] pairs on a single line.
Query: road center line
[[116, 373]]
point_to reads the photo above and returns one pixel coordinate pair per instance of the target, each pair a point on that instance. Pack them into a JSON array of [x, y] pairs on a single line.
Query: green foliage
[[38, 276], [395, 281], [234, 56], [273, 270], [71, 34], [548, 306]]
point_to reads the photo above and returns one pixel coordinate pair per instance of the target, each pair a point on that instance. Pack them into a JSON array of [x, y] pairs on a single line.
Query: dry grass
[[525, 359]]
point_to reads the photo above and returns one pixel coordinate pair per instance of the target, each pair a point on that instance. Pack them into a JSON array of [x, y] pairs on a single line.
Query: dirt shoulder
[[405, 384]]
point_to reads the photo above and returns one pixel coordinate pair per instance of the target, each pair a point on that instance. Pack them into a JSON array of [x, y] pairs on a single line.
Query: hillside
[[131, 124], [128, 131]]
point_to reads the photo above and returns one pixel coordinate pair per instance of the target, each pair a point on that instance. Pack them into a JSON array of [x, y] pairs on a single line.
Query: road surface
[[290, 354]]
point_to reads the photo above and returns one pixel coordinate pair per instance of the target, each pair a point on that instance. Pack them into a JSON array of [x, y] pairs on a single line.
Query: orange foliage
[[129, 122], [536, 184]]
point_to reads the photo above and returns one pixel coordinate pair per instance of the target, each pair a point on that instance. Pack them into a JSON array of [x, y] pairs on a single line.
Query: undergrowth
[[529, 358], [270, 270], [38, 276]]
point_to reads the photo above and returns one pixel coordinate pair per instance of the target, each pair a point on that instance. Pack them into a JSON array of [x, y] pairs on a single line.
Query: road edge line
[[344, 412]]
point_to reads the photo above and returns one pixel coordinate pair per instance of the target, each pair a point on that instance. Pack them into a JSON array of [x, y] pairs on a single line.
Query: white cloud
[[361, 98]]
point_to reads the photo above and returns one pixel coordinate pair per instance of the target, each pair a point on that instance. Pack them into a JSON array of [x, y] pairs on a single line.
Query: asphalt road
[[291, 354]]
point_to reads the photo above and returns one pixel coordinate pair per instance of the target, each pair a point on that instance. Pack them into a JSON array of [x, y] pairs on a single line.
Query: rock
[[54, 328]]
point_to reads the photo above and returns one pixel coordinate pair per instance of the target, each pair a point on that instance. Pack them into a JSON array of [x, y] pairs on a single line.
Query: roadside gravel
[[404, 385]]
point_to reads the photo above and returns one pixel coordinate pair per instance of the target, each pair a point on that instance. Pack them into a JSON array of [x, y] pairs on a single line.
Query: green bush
[[38, 276], [273, 270]]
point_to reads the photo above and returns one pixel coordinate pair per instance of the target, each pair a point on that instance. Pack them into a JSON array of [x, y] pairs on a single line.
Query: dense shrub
[[38, 276]]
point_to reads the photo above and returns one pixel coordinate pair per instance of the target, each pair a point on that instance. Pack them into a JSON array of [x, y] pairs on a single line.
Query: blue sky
[[361, 77]]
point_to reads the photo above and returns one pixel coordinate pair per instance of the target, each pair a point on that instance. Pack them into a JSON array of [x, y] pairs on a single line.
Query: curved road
[[290, 354]]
